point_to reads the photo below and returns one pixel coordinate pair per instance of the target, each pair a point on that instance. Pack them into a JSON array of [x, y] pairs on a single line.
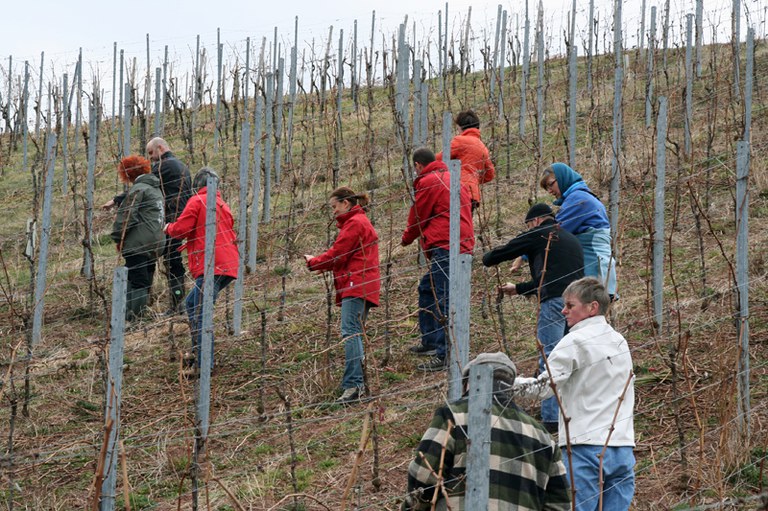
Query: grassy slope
[[249, 452]]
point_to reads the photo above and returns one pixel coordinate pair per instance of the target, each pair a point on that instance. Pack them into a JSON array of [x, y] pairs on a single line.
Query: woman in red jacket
[[191, 226], [354, 261]]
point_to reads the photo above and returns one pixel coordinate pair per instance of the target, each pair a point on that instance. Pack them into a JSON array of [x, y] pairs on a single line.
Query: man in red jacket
[[476, 165], [429, 220]]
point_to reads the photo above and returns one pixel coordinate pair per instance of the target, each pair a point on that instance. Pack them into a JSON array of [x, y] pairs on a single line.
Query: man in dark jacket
[[176, 186], [555, 259]]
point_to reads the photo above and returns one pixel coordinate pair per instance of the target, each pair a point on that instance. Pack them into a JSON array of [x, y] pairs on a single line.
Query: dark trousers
[[433, 302], [141, 269], [173, 262]]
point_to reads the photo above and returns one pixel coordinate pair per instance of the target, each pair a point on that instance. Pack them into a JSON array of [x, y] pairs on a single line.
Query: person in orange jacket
[[476, 165]]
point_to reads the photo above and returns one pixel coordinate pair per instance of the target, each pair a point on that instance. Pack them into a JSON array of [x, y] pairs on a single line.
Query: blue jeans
[[353, 313], [194, 305], [433, 302], [618, 476], [550, 330]]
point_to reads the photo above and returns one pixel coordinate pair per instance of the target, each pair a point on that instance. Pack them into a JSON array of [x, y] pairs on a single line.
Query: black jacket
[[565, 261], [175, 183]]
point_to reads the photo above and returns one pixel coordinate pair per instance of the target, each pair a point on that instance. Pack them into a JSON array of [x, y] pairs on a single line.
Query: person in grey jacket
[[138, 230]]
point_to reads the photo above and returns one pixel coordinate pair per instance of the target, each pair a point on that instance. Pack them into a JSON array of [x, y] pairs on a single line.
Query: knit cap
[[538, 210], [499, 361]]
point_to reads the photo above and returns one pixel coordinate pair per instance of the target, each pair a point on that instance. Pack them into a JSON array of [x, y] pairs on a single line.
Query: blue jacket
[[579, 210]]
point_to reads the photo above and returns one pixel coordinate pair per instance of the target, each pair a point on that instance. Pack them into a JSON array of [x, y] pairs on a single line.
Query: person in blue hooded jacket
[[582, 214]]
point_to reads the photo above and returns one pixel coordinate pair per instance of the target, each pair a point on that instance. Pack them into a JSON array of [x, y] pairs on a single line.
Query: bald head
[[156, 148]]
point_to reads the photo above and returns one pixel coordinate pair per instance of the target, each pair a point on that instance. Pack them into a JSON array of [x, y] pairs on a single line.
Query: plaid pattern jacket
[[526, 471]]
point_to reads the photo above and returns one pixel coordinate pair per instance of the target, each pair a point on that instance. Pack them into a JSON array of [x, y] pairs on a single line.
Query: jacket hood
[[565, 176], [148, 179], [204, 192], [437, 165]]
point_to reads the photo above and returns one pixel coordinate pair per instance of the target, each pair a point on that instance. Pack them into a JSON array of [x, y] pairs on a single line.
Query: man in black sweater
[[176, 185], [556, 259]]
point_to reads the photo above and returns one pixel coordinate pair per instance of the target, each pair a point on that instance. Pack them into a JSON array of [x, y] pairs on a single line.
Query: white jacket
[[590, 368]]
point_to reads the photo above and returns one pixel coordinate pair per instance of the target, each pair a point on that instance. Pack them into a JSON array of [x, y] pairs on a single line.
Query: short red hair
[[132, 167]]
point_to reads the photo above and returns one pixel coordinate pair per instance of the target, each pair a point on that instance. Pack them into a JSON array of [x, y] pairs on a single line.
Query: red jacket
[[430, 215], [191, 226], [476, 165], [353, 258]]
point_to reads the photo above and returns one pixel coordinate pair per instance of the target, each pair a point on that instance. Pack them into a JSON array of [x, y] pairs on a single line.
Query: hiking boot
[[348, 396], [433, 364], [421, 349], [177, 291], [189, 365]]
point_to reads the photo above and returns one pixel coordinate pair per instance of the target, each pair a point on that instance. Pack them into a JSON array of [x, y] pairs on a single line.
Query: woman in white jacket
[[591, 369]]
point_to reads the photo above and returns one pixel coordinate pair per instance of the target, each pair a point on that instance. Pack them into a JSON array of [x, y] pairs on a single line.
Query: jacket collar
[[584, 323], [342, 218], [204, 191], [471, 132]]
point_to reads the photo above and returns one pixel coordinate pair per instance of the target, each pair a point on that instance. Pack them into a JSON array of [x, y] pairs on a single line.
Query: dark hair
[[588, 290], [423, 156], [201, 178], [343, 193], [132, 167], [467, 119]]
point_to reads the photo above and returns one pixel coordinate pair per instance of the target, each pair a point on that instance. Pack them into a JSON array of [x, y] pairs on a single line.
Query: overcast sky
[[60, 27]]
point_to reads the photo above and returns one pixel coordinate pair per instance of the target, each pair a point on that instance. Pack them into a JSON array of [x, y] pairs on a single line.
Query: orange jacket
[[476, 164]]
